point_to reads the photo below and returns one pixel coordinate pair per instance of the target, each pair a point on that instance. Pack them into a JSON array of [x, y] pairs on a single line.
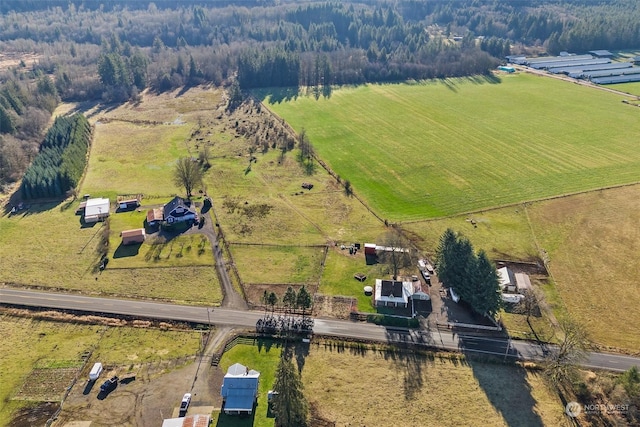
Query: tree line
[[60, 163], [112, 50], [471, 275]]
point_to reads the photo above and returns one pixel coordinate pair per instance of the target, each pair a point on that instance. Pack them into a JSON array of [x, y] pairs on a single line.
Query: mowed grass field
[[363, 387], [445, 147]]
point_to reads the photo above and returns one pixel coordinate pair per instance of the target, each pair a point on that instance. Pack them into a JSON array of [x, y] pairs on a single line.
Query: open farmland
[[398, 389], [133, 151], [445, 147], [592, 241], [47, 341], [56, 352]]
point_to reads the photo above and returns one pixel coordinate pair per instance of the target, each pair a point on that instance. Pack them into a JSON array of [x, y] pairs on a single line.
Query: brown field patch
[[592, 241], [367, 387]]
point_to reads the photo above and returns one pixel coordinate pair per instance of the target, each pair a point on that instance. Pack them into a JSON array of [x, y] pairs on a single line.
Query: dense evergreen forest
[[114, 49]]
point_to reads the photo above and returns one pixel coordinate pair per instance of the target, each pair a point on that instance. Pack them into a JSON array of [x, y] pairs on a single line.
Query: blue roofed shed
[[239, 389]]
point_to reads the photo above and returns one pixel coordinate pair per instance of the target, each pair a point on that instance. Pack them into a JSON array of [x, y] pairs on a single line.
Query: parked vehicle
[[95, 371], [184, 405], [109, 384]]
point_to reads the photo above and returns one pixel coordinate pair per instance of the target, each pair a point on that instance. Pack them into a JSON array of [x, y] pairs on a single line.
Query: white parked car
[[184, 405]]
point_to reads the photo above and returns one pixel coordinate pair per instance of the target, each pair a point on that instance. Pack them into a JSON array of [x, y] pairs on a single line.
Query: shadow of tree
[[507, 387]]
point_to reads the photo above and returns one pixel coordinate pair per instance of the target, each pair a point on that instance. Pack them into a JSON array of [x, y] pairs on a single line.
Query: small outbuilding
[[155, 217], [370, 249], [506, 279], [239, 390], [96, 210], [196, 420], [132, 237]]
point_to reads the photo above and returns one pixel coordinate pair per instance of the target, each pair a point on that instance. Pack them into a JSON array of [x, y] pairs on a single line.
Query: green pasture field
[[129, 158], [630, 88], [502, 233], [444, 147], [278, 264], [135, 146], [296, 216], [29, 344], [593, 242]]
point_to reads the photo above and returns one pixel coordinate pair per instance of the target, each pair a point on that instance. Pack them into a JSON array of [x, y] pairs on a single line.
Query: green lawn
[[446, 147], [337, 277], [263, 358], [179, 251]]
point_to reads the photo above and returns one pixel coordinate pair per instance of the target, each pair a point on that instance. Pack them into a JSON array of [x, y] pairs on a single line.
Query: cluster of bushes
[[61, 160], [400, 322]]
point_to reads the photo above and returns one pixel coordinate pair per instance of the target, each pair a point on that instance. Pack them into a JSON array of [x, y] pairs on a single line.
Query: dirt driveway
[[153, 395]]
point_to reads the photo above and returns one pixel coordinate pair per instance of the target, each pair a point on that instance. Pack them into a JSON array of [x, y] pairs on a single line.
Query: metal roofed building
[[188, 421], [239, 389], [617, 79], [602, 53], [580, 69], [569, 57], [96, 209], [611, 73], [569, 63]]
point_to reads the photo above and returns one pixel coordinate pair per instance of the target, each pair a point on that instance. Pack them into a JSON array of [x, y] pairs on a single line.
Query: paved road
[[340, 328]]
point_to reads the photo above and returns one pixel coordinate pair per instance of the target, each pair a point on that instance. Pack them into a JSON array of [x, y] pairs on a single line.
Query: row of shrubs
[[401, 322]]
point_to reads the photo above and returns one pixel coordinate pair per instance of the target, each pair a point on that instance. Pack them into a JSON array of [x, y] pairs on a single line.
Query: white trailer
[[95, 371]]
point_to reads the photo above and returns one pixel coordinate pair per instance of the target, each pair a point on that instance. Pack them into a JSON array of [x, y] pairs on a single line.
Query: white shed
[[96, 210]]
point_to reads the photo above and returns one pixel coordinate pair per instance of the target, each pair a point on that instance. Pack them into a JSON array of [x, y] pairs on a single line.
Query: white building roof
[[393, 291], [96, 207], [504, 279]]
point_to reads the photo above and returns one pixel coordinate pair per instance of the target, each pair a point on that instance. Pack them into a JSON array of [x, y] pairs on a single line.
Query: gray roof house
[[239, 389], [179, 210]]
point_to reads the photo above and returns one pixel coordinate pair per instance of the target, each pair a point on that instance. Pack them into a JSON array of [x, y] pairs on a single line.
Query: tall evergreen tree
[[485, 298], [304, 299], [289, 298], [289, 404]]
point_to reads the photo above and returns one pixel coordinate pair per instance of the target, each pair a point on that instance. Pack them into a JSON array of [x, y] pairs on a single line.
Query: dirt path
[[232, 299]]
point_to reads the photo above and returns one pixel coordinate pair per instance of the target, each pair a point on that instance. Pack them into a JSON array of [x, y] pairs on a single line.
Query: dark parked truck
[[109, 384]]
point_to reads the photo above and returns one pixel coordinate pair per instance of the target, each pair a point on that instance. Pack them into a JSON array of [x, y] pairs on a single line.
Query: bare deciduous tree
[[561, 362], [187, 174], [398, 253]]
